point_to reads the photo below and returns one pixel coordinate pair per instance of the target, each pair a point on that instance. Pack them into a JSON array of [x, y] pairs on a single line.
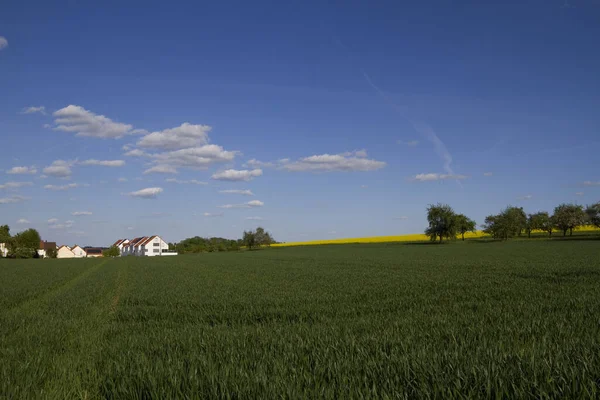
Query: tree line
[[250, 239], [510, 222], [22, 245]]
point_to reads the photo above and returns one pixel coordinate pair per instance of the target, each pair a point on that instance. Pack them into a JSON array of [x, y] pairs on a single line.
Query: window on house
[[156, 250], [156, 244]]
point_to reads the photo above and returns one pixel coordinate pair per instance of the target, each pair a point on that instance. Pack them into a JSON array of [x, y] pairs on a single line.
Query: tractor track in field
[[55, 291]]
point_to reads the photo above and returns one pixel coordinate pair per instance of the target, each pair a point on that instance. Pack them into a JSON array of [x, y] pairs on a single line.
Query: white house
[[44, 247], [149, 246], [121, 244], [64, 252], [3, 250], [78, 252]]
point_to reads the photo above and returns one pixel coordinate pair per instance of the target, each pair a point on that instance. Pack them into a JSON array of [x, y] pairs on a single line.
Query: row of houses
[[146, 246]]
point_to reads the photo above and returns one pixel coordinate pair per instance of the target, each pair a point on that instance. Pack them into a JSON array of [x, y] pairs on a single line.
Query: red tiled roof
[[145, 242]]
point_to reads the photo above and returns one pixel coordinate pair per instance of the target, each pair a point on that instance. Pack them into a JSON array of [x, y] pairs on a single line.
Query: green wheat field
[[505, 320]]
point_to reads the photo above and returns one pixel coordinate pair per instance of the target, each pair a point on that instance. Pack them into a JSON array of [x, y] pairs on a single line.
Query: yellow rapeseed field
[[400, 238]]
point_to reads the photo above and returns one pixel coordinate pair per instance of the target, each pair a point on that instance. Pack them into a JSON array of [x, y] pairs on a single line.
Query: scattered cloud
[[104, 163], [250, 204], [190, 182], [81, 213], [195, 157], [526, 197], [410, 143], [332, 232], [254, 163], [184, 136], [487, 174], [61, 187], [207, 214], [237, 175], [364, 186], [579, 193], [254, 218], [53, 224], [3, 42], [130, 228], [237, 191], [136, 153], [148, 193], [23, 221], [590, 183], [86, 123], [161, 169], [401, 217], [15, 185], [33, 110], [344, 162], [437, 177], [22, 170], [59, 169], [122, 180]]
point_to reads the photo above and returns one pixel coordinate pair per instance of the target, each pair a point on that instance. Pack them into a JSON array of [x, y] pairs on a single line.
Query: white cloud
[[526, 197], [190, 182], [33, 110], [346, 162], [122, 179], [86, 123], [3, 42], [254, 163], [136, 153], [207, 214], [23, 221], [61, 187], [254, 218], [104, 163], [59, 169], [195, 157], [410, 143], [487, 174], [15, 185], [250, 204], [55, 225], [579, 193], [237, 191], [332, 232], [590, 183], [186, 135], [364, 186], [402, 217], [437, 177], [147, 193], [81, 213], [130, 228], [22, 170], [161, 169], [237, 175]]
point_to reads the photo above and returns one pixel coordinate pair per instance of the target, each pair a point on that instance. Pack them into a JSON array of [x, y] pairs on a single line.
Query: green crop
[[487, 320]]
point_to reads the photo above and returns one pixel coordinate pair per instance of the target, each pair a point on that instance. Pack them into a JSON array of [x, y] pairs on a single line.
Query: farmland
[[513, 319]]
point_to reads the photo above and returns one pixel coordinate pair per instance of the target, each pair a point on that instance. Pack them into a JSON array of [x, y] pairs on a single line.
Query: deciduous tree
[[568, 217], [442, 222], [593, 214], [464, 225]]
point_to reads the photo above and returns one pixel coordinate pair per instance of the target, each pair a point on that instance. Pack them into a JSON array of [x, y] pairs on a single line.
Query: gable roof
[[145, 242], [47, 245], [66, 247], [73, 248], [118, 242]]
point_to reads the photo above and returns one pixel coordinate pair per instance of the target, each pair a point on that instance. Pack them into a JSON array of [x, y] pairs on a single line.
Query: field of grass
[[506, 320]]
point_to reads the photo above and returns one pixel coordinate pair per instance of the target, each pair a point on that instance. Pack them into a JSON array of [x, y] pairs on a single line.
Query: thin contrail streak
[[422, 127]]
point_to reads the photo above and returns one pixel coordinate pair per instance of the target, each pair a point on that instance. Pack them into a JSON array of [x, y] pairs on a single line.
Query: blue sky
[[343, 119]]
